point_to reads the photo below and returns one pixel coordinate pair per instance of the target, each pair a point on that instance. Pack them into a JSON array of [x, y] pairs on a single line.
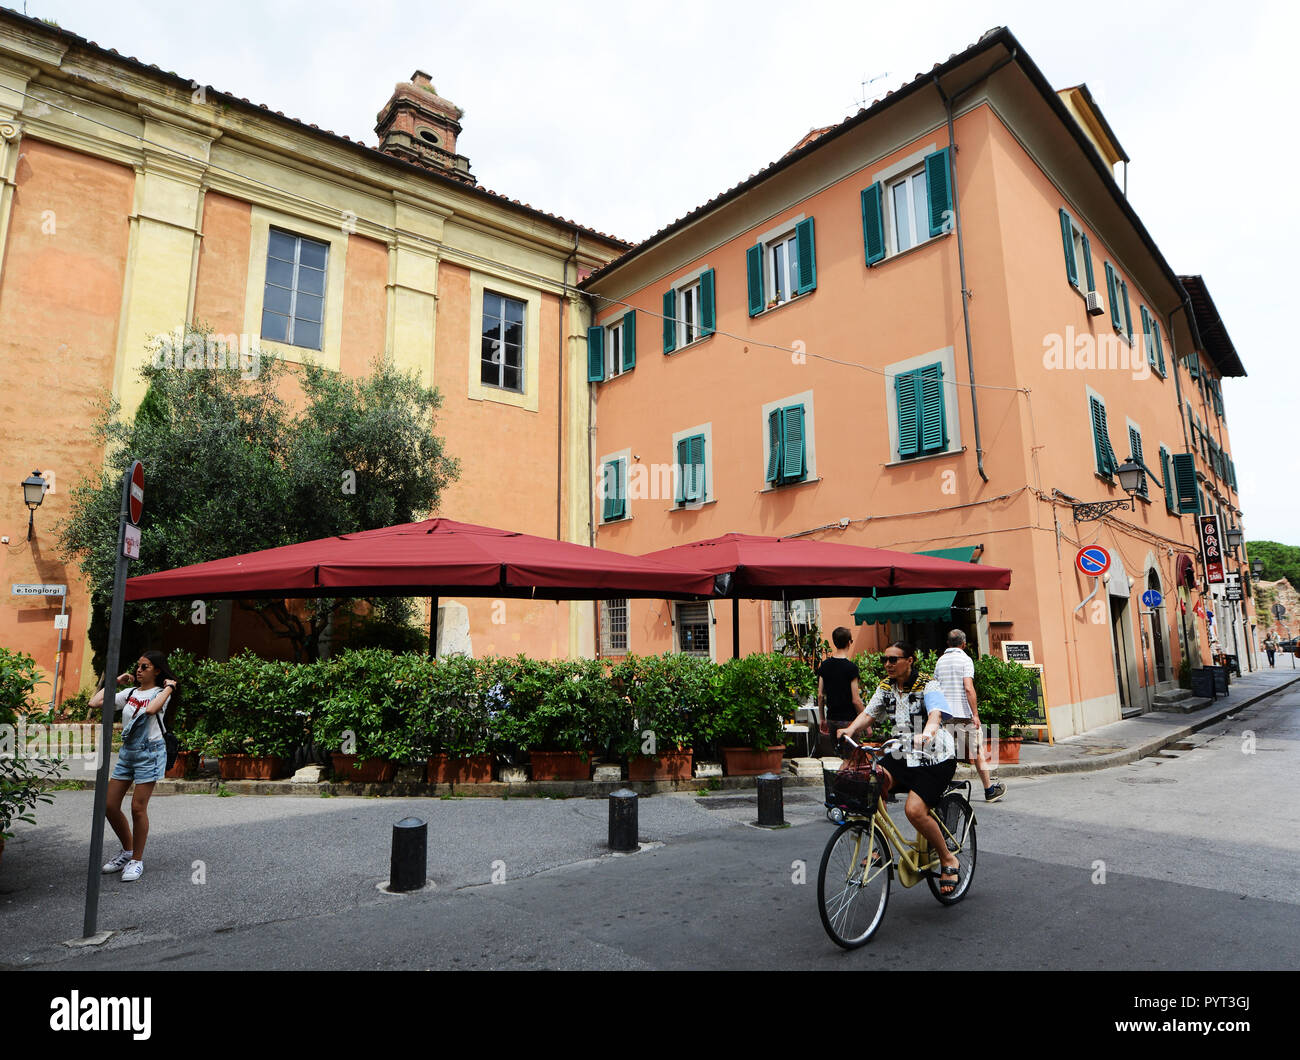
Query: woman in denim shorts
[[142, 759]]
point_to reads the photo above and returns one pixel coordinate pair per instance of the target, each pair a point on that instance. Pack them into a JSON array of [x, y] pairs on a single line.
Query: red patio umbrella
[[753, 567], [429, 558]]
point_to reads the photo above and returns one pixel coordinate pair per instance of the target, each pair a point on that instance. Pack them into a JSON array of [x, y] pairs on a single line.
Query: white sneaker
[[133, 871], [118, 863]]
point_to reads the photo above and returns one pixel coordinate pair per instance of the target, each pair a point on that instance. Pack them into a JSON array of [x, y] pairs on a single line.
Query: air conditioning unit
[[1094, 304]]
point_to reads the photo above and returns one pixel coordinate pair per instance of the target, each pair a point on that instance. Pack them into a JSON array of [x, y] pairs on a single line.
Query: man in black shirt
[[838, 695]]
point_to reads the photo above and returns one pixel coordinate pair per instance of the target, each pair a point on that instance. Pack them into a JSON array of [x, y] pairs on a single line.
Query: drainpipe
[[948, 102], [559, 404], [1185, 306]]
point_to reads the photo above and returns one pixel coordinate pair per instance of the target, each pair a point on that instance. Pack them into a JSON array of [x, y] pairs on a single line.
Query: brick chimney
[[419, 126]]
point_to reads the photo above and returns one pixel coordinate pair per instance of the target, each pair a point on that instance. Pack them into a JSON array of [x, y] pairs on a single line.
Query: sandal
[[949, 878]]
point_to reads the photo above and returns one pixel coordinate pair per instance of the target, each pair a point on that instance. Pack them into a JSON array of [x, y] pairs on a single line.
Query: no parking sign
[[1094, 561]]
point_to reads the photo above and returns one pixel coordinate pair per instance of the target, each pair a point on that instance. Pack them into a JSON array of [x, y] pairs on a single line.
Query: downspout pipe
[[948, 102], [562, 354]]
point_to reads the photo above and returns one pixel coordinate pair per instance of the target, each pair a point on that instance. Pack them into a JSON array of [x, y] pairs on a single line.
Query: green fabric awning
[[914, 607]]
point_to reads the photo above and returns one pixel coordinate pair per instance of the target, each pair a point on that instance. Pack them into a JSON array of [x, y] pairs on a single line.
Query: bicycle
[[860, 859]]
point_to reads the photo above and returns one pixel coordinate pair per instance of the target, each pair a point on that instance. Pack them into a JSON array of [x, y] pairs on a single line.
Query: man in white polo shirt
[[956, 676]]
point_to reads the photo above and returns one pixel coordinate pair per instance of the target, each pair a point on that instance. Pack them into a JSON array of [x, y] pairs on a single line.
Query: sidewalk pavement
[[1126, 741]]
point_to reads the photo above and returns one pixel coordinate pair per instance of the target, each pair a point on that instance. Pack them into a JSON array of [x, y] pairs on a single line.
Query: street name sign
[[37, 590]]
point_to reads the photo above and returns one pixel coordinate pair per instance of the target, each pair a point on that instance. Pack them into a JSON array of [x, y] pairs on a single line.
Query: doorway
[[1158, 630], [1118, 610]]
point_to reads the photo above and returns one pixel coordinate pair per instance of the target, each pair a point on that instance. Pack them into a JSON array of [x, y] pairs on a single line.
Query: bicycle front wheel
[[853, 883], [957, 823]]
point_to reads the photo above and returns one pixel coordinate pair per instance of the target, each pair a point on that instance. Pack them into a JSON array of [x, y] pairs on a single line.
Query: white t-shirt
[[951, 671], [133, 701]]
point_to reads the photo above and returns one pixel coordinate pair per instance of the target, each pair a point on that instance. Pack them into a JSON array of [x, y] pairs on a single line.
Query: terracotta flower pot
[[746, 762], [443, 769], [358, 770], [252, 767], [560, 765], [1004, 750], [187, 764], [672, 765]]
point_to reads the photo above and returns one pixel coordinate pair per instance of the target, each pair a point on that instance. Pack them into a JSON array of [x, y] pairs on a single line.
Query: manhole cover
[[1147, 780]]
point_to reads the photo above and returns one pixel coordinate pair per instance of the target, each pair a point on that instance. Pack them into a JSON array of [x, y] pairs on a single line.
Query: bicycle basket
[[855, 788]]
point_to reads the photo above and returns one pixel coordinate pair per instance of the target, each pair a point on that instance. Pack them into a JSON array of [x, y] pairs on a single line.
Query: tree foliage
[[231, 467], [1280, 561]]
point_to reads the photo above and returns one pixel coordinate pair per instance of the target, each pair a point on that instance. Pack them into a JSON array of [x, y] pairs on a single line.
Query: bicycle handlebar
[[889, 747]]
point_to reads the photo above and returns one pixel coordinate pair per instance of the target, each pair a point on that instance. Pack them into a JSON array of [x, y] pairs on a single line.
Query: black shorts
[[930, 782]]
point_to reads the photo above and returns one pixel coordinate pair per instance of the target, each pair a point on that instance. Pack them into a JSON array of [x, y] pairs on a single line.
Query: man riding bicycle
[[919, 710]]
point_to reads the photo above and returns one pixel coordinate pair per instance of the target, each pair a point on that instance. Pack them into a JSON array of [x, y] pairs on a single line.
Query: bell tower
[[418, 125]]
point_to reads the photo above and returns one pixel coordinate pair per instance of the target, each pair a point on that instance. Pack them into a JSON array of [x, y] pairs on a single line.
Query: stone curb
[[1133, 754]]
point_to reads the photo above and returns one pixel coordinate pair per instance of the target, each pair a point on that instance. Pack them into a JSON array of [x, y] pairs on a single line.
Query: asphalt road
[[1190, 861]]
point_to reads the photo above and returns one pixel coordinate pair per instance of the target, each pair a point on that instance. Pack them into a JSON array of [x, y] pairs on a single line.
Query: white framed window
[[909, 210], [1078, 256], [782, 265], [791, 620], [614, 350], [693, 466], [501, 358], [693, 627], [612, 486], [689, 311], [293, 301], [789, 441], [921, 402], [613, 627]]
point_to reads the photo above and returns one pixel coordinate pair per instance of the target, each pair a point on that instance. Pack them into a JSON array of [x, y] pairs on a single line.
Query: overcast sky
[[625, 117]]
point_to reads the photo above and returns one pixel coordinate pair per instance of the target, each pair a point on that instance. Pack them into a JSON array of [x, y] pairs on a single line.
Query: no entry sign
[[1094, 561], [137, 493]]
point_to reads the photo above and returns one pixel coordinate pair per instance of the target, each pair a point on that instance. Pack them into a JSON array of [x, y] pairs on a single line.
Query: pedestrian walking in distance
[[142, 759], [1270, 646], [956, 676]]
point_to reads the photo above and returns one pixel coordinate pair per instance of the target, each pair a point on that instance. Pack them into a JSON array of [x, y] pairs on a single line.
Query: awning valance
[[914, 607]]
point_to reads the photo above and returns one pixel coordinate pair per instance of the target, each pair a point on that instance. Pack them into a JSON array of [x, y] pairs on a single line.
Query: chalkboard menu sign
[[1220, 679], [1203, 683], [1037, 699], [1021, 651]]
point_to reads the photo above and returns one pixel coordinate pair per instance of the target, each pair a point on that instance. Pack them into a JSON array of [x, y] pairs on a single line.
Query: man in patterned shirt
[[956, 676]]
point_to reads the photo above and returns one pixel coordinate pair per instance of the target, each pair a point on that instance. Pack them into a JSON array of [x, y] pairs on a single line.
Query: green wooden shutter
[[806, 250], [1112, 295], [793, 463], [873, 223], [1067, 240], [708, 300], [773, 445], [1087, 262], [1135, 449], [683, 458], [1160, 346], [695, 485], [1185, 484], [670, 320], [938, 179], [1105, 453], [906, 385], [1128, 317], [1232, 473], [1194, 366], [754, 274], [595, 354], [629, 340], [934, 428], [1171, 505], [613, 506], [1147, 341]]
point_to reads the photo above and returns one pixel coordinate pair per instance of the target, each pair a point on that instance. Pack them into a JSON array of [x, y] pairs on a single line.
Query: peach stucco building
[[134, 201], [796, 357]]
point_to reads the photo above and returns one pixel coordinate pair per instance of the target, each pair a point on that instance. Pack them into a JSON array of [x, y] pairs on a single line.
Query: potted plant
[[184, 708], [663, 699], [453, 718], [22, 779], [753, 696], [249, 722], [367, 714], [1003, 688], [558, 712]]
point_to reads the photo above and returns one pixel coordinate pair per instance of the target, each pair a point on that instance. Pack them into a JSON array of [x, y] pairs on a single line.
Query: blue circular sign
[[1151, 598], [1093, 561]]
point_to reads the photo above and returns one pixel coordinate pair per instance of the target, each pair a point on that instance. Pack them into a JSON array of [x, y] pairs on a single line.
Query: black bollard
[[771, 807], [410, 861], [622, 821]]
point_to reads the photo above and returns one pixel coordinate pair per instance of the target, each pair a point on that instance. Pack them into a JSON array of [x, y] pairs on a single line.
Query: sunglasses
[[891, 659]]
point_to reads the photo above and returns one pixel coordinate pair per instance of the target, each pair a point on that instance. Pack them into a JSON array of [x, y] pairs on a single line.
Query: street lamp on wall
[[1233, 535], [1257, 569], [1130, 474], [33, 494]]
